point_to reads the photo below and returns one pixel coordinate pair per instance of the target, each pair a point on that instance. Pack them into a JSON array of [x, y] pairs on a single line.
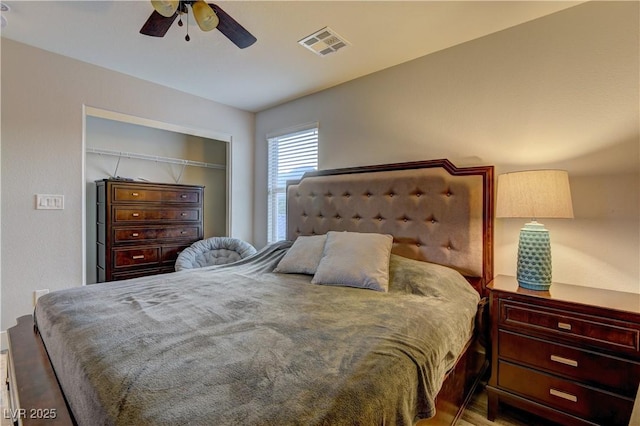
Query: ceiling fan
[[207, 16]]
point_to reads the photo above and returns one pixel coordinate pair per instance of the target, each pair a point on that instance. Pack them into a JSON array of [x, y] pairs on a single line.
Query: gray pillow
[[304, 255], [355, 259]]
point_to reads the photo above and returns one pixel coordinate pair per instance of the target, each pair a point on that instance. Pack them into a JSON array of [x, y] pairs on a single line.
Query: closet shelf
[[180, 161]]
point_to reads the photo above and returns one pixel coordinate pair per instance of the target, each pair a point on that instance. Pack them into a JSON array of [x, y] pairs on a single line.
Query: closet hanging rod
[[122, 154]]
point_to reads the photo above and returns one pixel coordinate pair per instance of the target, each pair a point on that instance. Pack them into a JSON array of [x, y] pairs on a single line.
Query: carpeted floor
[[474, 415]]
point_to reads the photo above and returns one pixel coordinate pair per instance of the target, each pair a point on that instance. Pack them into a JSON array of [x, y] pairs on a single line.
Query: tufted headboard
[[435, 211]]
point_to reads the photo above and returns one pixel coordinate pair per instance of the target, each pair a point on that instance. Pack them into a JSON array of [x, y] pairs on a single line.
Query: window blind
[[290, 156]]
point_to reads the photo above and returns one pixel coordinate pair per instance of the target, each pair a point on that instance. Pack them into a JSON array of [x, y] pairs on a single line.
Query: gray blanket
[[241, 345]]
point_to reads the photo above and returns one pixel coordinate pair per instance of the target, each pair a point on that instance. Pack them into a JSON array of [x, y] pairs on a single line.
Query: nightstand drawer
[[592, 331], [583, 401], [617, 374]]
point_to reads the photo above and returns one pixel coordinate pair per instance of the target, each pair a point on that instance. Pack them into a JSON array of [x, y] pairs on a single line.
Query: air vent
[[323, 42]]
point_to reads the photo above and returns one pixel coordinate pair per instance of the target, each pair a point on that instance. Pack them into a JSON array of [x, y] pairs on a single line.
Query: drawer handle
[[183, 232], [135, 214], [183, 195], [566, 361], [134, 194], [135, 234], [183, 214], [137, 257], [563, 395], [564, 326]]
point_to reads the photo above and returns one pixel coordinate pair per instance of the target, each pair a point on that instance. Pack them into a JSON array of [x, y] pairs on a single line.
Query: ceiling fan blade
[[232, 30], [157, 25]]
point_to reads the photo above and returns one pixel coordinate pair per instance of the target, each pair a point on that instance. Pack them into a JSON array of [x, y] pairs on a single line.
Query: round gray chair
[[213, 251]]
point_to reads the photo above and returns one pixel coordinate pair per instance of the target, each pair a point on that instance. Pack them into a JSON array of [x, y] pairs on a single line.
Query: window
[[290, 156]]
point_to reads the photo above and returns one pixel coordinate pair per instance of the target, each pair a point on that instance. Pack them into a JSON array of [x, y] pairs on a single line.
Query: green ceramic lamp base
[[534, 257]]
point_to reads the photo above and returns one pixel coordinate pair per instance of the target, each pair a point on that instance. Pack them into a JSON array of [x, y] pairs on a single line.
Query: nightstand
[[570, 354]]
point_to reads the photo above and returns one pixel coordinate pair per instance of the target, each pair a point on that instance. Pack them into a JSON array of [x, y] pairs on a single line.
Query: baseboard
[[4, 341]]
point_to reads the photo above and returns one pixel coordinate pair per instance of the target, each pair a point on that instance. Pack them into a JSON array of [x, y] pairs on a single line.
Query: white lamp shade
[[534, 194]]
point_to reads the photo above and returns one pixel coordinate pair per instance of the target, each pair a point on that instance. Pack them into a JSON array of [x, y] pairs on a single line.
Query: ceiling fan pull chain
[[187, 38]]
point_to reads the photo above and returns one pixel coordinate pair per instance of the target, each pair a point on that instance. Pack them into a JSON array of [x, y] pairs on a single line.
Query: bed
[[286, 336]]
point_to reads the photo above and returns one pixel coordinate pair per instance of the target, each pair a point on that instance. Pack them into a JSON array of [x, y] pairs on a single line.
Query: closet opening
[[131, 148]]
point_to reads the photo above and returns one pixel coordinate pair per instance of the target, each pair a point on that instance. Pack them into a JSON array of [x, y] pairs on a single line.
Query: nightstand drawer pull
[[564, 326], [134, 194], [140, 256], [563, 395], [135, 214], [567, 361], [135, 234]]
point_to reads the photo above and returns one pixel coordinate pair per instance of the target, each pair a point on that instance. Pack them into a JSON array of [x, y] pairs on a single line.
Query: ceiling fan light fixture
[[166, 8], [208, 17], [205, 16]]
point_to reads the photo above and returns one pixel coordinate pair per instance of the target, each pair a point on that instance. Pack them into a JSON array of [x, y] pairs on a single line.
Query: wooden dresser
[[142, 227], [570, 354]]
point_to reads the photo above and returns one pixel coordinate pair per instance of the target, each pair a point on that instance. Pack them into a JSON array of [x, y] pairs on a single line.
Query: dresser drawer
[[583, 401], [129, 234], [593, 331], [619, 375], [169, 254], [135, 256], [147, 195], [127, 275], [129, 214]]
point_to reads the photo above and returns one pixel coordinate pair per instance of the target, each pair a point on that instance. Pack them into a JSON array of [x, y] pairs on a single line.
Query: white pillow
[[355, 259], [303, 256]]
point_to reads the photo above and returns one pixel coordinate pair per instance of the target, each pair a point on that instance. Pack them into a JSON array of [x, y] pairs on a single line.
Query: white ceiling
[[275, 69]]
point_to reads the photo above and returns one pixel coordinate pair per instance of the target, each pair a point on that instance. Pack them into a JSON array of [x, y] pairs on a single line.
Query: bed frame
[[435, 211]]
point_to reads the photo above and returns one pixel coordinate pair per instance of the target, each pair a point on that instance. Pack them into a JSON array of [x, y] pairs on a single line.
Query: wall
[[3, 334], [42, 152], [127, 137], [561, 91]]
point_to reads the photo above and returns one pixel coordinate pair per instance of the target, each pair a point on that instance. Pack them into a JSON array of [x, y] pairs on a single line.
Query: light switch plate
[[49, 202]]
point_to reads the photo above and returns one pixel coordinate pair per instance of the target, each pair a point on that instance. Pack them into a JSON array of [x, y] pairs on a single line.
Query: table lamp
[[534, 194]]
